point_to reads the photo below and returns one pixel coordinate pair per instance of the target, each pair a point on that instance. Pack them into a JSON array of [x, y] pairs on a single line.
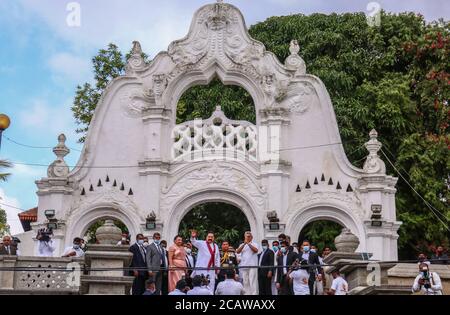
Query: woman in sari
[[177, 261]]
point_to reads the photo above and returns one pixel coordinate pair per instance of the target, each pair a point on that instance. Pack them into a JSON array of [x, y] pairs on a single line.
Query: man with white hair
[[7, 248], [248, 265]]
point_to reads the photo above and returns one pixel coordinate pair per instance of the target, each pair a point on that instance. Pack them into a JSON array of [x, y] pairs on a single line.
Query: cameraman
[[429, 283], [46, 247]]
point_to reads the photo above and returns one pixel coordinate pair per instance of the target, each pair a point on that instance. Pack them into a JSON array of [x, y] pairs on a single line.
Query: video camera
[[44, 234], [426, 278], [205, 280]]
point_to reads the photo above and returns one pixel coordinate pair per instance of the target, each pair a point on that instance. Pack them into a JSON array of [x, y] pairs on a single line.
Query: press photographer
[[46, 246], [428, 283]]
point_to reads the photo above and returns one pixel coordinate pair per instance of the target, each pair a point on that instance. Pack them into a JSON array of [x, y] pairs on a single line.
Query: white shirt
[[204, 256], [190, 260], [248, 256], [177, 292], [46, 249], [340, 286], [78, 252], [435, 282], [300, 279], [230, 287], [199, 291]]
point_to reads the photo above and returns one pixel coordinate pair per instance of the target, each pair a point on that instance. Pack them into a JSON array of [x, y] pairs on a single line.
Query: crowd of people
[[200, 267]]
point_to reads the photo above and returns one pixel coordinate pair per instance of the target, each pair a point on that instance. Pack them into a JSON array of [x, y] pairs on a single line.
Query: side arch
[[183, 206], [301, 218], [81, 221]]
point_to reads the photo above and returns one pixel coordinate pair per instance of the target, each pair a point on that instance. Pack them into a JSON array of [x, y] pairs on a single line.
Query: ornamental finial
[[373, 163], [135, 61], [59, 167], [294, 62]]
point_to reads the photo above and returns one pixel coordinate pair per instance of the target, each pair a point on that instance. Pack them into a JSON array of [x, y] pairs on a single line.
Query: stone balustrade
[[39, 275]]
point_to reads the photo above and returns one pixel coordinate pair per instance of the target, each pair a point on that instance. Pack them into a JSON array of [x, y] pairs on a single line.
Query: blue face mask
[[313, 250], [283, 250], [275, 248], [264, 247], [76, 246], [306, 249], [157, 242], [140, 242]]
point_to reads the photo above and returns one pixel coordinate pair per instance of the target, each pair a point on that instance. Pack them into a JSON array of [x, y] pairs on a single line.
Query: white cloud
[[40, 116], [66, 66], [27, 171], [10, 205]]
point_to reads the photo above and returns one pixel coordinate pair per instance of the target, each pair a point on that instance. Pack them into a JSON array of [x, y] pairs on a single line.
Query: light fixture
[[150, 221], [50, 213], [4, 124]]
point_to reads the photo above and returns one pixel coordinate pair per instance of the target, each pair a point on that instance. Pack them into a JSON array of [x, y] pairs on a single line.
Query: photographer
[[429, 283], [300, 277], [46, 246]]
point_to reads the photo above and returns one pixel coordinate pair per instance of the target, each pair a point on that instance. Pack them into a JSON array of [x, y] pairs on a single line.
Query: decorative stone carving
[[135, 62], [346, 242], [34, 276], [213, 177], [217, 134], [373, 163], [59, 167], [299, 97], [134, 101], [108, 233], [294, 62]]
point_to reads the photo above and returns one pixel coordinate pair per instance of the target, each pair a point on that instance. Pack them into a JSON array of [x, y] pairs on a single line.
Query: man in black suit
[[312, 259], [284, 262], [139, 262], [265, 259], [190, 262]]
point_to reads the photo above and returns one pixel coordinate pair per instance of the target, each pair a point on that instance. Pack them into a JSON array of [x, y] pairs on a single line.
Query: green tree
[[4, 164], [225, 220], [4, 227]]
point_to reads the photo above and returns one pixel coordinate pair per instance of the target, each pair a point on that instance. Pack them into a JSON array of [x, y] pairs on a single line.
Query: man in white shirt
[[339, 285], [198, 289], [230, 286], [249, 257], [46, 245], [208, 258], [428, 283], [74, 250], [300, 278]]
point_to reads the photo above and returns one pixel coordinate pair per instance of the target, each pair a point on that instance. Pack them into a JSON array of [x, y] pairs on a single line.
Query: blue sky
[[42, 60]]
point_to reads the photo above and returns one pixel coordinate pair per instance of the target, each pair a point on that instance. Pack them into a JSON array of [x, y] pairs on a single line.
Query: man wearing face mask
[[156, 261], [313, 260], [284, 262], [426, 282], [139, 262], [190, 262], [265, 274], [276, 251], [74, 250], [124, 240], [228, 259]]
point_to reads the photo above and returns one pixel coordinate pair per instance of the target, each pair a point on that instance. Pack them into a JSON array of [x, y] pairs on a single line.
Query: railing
[[40, 275], [215, 137]]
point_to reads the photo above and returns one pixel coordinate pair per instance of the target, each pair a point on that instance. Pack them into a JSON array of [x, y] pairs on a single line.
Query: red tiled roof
[[29, 215]]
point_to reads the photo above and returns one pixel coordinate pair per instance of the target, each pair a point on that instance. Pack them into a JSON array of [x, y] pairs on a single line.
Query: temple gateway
[[140, 167]]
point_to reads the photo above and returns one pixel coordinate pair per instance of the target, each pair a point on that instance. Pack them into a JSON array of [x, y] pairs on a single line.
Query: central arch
[[181, 208]]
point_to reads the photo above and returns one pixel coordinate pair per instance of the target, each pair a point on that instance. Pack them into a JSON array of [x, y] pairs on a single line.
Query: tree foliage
[[4, 227], [393, 77]]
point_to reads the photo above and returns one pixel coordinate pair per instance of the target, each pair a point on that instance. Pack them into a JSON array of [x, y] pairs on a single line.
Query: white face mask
[[188, 251], [145, 244]]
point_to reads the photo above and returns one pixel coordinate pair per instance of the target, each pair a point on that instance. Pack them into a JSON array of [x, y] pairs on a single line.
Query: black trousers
[[265, 284], [286, 288], [138, 287]]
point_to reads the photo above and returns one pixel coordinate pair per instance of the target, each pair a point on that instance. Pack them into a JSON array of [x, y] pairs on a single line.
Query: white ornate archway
[[325, 211], [309, 177], [186, 204]]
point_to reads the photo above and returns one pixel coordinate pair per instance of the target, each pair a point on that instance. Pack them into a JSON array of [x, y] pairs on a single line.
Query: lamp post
[[4, 124]]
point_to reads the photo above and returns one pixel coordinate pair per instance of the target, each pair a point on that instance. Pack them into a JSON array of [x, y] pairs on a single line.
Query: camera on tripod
[[44, 234], [205, 280]]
